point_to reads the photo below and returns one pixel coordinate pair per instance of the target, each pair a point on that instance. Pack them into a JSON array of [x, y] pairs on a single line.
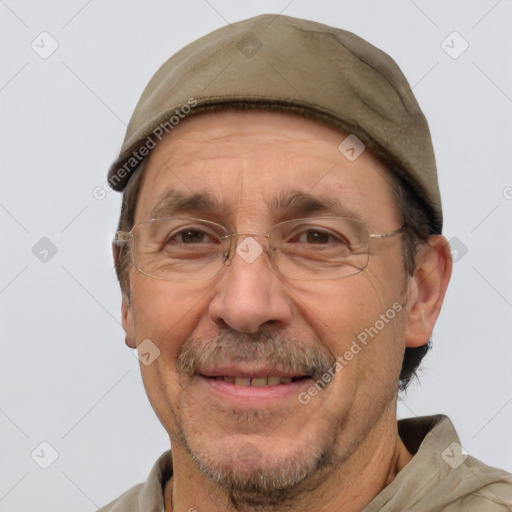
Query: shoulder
[[441, 475], [492, 498], [491, 489], [148, 496], [127, 502]]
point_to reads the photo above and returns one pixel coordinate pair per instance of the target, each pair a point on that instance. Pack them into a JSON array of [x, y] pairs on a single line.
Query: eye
[[191, 236], [316, 236]]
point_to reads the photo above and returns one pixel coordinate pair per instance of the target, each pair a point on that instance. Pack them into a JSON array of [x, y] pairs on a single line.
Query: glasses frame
[[126, 237]]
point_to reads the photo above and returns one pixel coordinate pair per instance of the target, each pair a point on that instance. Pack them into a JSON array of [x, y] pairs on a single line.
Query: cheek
[[167, 313], [338, 310], [359, 321], [346, 318]]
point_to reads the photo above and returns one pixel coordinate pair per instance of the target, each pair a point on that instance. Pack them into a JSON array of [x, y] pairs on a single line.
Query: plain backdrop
[[66, 377]]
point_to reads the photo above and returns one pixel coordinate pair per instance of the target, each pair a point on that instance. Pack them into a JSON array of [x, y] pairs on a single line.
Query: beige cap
[[274, 62]]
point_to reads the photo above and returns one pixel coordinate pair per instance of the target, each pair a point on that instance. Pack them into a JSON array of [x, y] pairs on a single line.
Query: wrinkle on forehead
[[247, 157]]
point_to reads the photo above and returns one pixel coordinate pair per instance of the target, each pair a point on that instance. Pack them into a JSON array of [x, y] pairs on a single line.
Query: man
[[282, 267]]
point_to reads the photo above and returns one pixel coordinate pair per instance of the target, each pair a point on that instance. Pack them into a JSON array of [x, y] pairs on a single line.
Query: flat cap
[[274, 62]]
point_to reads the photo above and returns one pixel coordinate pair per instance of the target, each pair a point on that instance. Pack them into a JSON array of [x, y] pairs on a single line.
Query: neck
[[347, 487]]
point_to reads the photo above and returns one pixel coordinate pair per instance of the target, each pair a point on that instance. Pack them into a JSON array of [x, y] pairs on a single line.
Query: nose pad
[[229, 253], [227, 257]]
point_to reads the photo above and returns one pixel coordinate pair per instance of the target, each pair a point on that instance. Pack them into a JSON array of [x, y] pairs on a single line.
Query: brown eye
[[191, 236], [317, 237]]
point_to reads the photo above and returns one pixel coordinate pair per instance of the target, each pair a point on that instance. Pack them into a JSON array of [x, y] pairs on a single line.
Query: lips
[[252, 375], [251, 384], [256, 382]]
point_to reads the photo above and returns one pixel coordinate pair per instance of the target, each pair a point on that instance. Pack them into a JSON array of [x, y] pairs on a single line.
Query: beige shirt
[[440, 477]]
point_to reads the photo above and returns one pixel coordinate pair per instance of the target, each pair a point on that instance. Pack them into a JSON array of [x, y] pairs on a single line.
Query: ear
[[427, 289], [126, 308], [128, 321]]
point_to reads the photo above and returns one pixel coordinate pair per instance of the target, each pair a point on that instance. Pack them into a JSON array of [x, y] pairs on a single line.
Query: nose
[[250, 293]]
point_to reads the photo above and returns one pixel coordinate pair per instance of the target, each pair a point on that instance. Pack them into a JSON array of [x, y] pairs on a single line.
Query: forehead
[[260, 163]]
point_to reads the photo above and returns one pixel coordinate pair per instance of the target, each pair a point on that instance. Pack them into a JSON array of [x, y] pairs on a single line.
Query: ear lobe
[[128, 321], [427, 289]]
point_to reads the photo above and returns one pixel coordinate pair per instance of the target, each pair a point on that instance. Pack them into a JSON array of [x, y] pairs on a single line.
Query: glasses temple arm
[[380, 236]]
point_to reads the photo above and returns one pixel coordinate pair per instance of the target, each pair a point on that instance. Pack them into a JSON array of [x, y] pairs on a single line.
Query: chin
[[264, 470]]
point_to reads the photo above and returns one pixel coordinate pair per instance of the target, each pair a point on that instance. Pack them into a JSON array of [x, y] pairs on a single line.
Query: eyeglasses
[[188, 249]]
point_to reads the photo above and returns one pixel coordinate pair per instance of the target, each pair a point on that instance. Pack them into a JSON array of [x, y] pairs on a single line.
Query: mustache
[[196, 355]]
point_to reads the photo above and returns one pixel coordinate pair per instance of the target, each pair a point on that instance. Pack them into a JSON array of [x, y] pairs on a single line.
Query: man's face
[[250, 321]]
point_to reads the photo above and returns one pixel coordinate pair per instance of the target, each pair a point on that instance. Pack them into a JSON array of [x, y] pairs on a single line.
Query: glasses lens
[[178, 249], [320, 248]]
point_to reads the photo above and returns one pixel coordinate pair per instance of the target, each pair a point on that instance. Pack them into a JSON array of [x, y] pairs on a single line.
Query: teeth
[[274, 380], [257, 382]]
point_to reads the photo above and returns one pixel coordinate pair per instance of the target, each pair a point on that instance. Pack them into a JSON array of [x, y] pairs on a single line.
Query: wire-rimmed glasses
[[190, 249]]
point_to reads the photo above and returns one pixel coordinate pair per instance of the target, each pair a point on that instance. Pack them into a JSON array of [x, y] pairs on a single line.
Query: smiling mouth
[[257, 382]]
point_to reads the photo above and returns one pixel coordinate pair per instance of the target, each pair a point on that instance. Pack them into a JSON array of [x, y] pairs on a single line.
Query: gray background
[[65, 375]]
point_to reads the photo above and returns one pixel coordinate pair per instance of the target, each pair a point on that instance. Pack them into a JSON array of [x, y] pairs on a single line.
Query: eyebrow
[[295, 203], [286, 205], [173, 202]]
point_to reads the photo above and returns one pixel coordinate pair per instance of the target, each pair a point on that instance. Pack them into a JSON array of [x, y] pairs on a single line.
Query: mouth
[[253, 387], [257, 382]]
